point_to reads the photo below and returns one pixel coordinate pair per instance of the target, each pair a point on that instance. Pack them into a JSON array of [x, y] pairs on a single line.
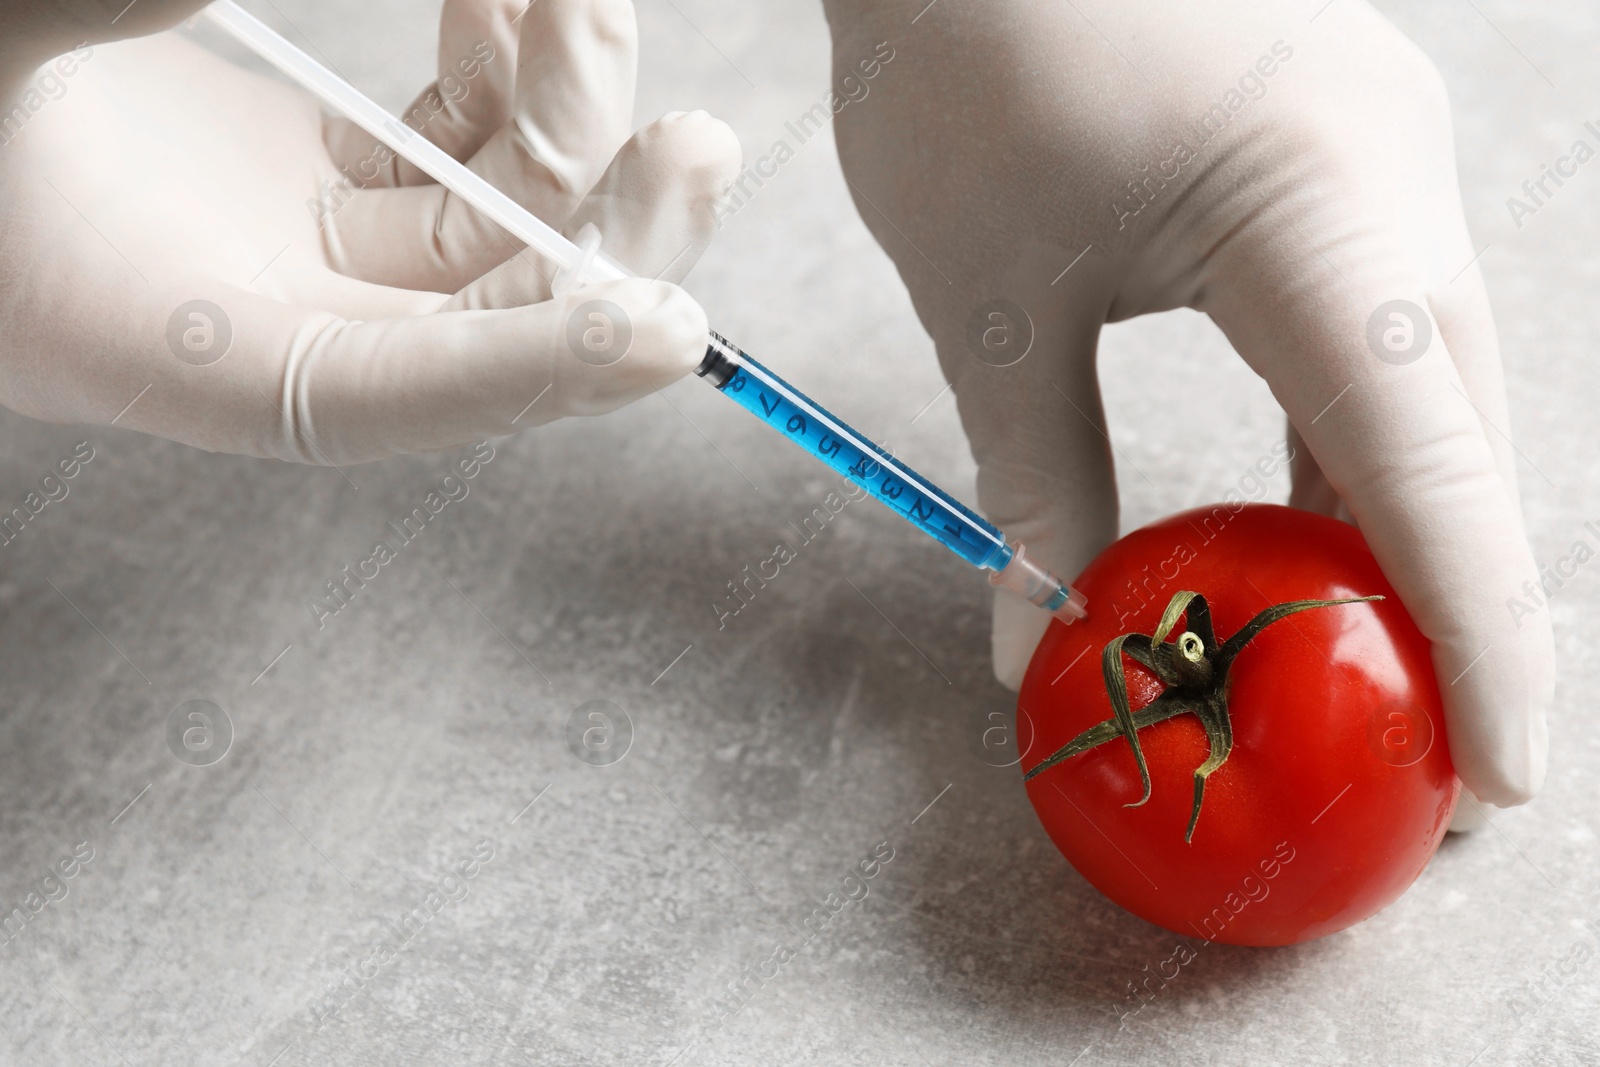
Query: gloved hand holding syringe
[[734, 373]]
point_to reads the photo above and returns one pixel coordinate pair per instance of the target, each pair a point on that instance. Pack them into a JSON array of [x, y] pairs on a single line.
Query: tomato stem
[[1194, 668], [1190, 662]]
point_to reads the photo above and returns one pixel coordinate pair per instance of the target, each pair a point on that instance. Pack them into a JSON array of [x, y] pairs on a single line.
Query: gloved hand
[[1288, 177], [189, 249]]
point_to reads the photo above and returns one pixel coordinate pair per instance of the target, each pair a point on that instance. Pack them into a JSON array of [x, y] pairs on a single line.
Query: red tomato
[[1338, 786]]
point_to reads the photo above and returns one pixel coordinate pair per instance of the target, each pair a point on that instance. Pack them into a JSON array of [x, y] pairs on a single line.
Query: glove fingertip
[[1469, 817], [677, 328], [1018, 626]]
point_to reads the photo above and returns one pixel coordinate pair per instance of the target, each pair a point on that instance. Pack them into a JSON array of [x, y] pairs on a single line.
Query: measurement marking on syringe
[[904, 473]]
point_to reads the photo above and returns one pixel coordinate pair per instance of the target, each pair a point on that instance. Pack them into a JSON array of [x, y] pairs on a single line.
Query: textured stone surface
[[774, 754]]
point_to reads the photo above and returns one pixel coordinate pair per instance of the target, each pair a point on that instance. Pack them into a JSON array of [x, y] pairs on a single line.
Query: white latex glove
[[155, 174], [1000, 144]]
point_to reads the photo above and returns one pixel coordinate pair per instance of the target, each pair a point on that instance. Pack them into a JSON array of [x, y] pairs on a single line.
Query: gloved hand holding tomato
[[1295, 180]]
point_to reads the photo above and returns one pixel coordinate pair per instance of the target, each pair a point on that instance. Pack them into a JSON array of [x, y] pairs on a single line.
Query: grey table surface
[[431, 717]]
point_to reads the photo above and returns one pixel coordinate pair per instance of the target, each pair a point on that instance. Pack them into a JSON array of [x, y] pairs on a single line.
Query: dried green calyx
[[1194, 668]]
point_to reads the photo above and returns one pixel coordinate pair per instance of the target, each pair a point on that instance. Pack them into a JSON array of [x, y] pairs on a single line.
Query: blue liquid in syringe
[[885, 478]]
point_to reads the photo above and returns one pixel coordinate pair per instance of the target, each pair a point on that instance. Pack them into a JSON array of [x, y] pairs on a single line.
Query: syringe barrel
[[831, 440]]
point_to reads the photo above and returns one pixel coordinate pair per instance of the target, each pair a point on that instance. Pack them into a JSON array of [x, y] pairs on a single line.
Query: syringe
[[735, 374]]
